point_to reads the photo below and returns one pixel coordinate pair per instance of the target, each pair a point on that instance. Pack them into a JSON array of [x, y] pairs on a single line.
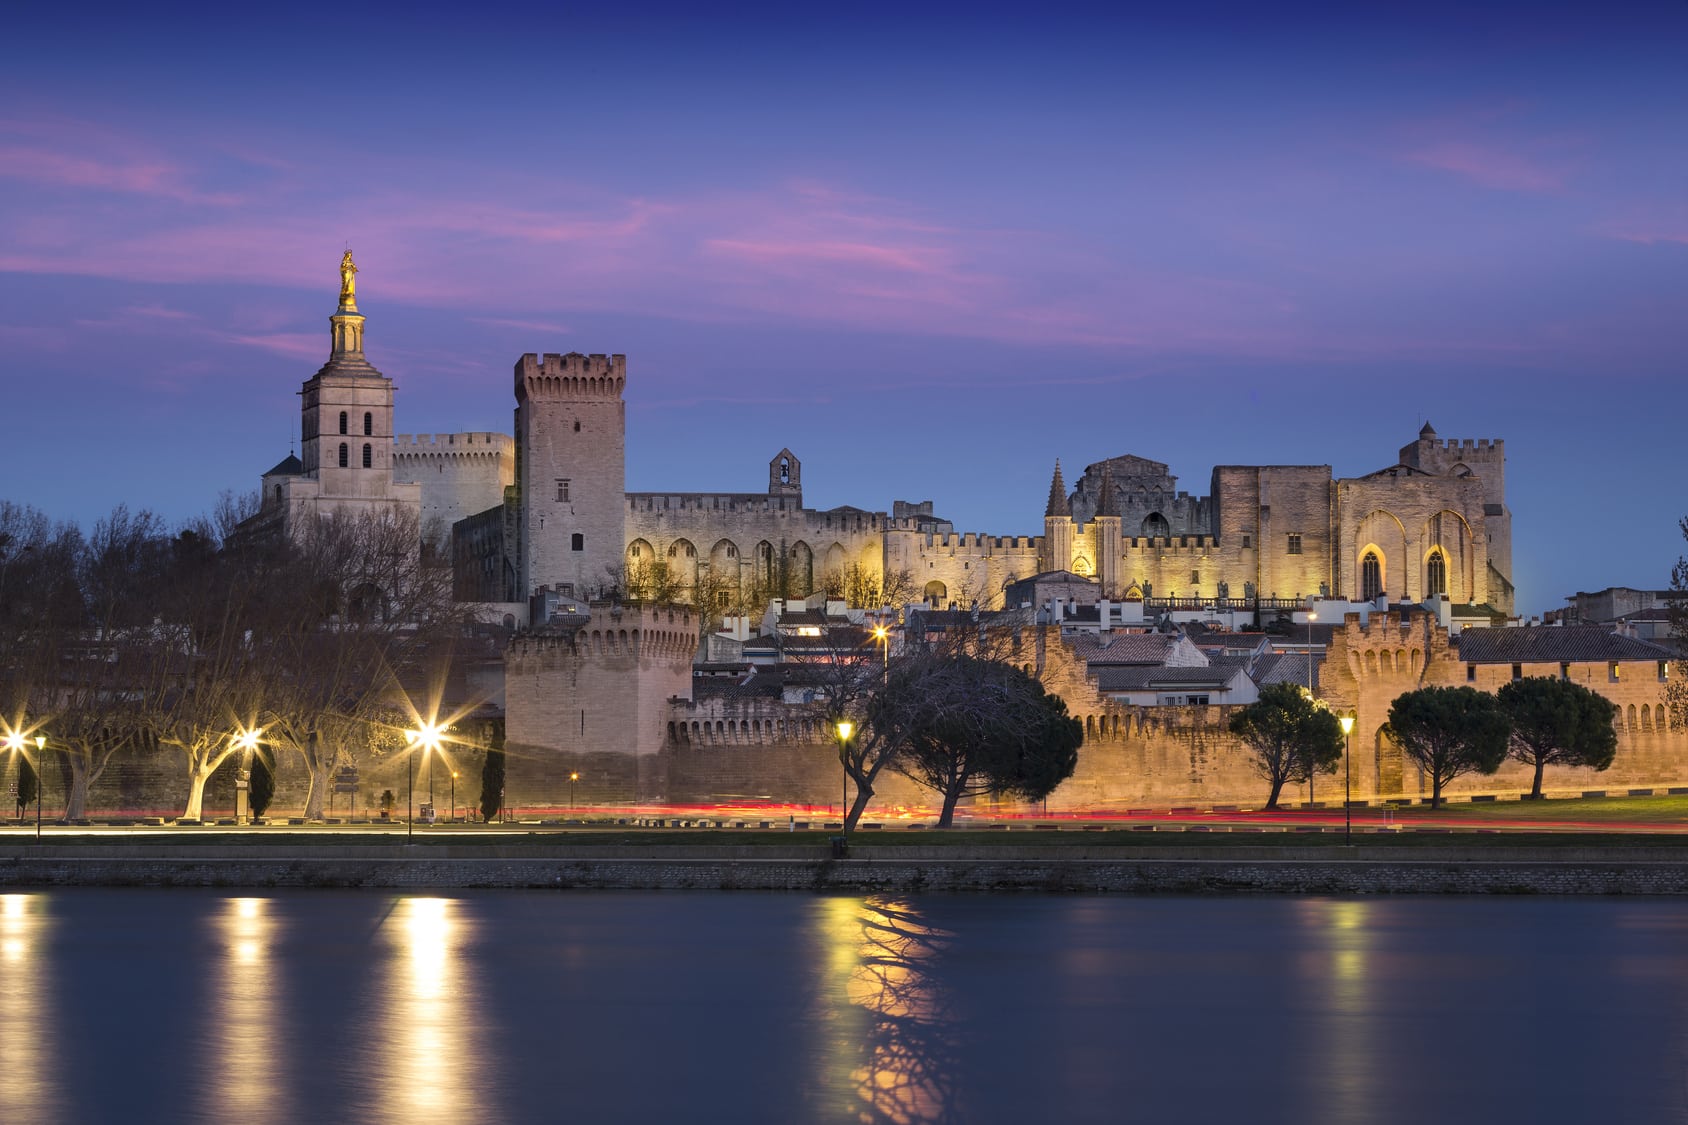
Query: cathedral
[[547, 512]]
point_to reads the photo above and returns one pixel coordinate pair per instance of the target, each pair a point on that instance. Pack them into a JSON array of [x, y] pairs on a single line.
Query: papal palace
[[633, 654]]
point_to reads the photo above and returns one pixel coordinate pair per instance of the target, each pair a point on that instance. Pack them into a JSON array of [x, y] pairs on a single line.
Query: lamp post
[[245, 741], [574, 776], [40, 745], [427, 736], [845, 729], [454, 796], [1347, 722], [1311, 617], [883, 636]]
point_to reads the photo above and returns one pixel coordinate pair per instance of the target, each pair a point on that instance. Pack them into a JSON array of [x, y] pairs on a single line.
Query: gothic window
[[1294, 544], [680, 546], [368, 424], [1371, 576], [342, 421], [345, 453], [562, 491], [1156, 527], [1435, 575], [368, 456]]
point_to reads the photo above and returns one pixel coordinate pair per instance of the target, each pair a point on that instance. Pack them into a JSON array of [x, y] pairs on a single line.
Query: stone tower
[[571, 425], [1057, 526], [1108, 535], [345, 465], [347, 428]]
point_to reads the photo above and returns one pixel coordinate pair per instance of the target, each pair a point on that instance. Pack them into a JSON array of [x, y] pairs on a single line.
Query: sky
[[930, 250]]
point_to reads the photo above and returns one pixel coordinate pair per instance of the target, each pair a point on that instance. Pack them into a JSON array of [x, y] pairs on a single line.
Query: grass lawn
[[1635, 810]]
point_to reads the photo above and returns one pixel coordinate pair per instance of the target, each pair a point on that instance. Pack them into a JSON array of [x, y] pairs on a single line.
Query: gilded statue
[[348, 279]]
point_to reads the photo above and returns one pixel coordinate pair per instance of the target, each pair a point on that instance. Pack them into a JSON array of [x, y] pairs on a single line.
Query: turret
[[1107, 534], [1057, 526]]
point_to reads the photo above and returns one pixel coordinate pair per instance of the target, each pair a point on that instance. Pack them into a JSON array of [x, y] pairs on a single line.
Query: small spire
[[1428, 431], [1058, 505], [1107, 504]]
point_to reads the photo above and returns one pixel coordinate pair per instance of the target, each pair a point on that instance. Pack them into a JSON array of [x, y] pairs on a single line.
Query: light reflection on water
[[27, 1078], [427, 1020], [891, 1045], [1339, 939], [247, 1067]]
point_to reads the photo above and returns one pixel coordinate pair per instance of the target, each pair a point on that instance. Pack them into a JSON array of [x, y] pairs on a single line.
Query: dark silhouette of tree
[[261, 785], [1556, 722], [1449, 731], [492, 771], [1290, 736], [970, 725]]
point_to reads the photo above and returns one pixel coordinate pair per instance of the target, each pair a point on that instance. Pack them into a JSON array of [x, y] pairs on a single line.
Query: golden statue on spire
[[348, 280]]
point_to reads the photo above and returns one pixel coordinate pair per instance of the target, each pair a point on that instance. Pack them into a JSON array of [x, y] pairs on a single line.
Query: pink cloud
[[522, 325], [293, 345], [1488, 166]]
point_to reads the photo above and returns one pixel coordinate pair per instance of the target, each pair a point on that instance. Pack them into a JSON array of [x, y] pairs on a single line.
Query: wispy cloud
[[522, 325]]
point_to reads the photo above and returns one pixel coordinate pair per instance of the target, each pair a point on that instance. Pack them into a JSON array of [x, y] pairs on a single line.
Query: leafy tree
[[971, 725], [1290, 735], [492, 772], [1449, 731], [1556, 722], [261, 786], [1676, 689]]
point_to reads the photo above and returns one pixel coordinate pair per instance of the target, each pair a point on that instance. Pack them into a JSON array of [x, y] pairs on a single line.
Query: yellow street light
[[1347, 722], [845, 729]]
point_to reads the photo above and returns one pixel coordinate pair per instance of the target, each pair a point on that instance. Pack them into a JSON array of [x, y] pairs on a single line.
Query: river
[[296, 1006]]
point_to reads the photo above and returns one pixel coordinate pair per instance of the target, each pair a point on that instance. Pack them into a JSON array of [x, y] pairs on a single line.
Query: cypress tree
[[492, 772]]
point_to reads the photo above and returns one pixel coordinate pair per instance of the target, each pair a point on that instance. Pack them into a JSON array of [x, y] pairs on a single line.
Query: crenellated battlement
[[409, 448], [574, 375], [651, 632]]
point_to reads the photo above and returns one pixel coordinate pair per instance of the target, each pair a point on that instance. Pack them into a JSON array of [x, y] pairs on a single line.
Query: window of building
[[1517, 671], [562, 491], [345, 455], [1664, 670], [1471, 673], [1435, 575], [368, 424], [1195, 578], [1564, 670], [1295, 544], [577, 542], [1371, 577], [368, 455], [1615, 671], [1248, 541], [342, 421], [577, 425]]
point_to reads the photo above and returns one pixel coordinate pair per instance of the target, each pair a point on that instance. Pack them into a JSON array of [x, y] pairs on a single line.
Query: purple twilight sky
[[930, 253]]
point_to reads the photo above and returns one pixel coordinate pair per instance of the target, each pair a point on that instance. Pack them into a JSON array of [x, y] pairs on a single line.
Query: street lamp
[[1311, 617], [574, 776], [18, 744], [454, 796], [883, 636], [427, 736], [1347, 722], [845, 729], [40, 745], [244, 741]]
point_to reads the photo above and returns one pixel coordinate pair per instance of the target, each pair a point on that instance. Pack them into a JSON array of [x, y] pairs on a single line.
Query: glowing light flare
[[247, 738], [1347, 722], [845, 729]]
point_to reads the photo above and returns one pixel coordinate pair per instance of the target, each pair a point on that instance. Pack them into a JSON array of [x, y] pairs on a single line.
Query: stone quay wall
[[868, 870]]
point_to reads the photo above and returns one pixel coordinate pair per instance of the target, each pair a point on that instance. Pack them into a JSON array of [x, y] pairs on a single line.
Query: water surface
[[177, 1005]]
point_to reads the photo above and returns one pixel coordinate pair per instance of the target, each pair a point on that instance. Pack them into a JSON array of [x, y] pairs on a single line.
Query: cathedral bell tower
[[347, 424]]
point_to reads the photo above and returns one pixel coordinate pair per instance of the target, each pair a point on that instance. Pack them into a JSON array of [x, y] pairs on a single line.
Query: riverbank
[[1458, 869]]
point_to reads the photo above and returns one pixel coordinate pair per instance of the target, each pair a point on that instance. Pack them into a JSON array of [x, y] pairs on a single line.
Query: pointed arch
[[802, 570]]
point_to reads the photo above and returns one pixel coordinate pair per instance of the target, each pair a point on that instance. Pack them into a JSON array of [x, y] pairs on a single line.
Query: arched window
[[368, 455], [342, 421], [1435, 575], [345, 452], [368, 424], [1371, 576], [1156, 527], [936, 592]]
